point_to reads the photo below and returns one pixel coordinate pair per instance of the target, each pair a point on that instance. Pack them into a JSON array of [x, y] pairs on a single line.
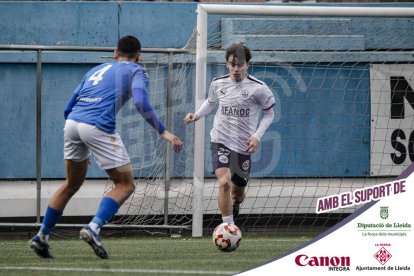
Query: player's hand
[[252, 144], [174, 140], [190, 117]]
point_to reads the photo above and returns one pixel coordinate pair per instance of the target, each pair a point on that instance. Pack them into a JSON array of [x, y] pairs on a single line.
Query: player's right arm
[[206, 107], [204, 110]]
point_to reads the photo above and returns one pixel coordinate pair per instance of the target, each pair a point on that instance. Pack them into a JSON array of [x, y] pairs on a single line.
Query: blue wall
[[59, 23], [158, 25], [17, 124], [341, 105], [66, 24]]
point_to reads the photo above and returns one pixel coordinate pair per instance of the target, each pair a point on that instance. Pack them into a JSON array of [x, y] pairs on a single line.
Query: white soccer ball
[[227, 237]]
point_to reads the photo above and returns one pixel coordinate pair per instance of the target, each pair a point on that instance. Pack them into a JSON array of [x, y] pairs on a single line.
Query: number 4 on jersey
[[98, 75]]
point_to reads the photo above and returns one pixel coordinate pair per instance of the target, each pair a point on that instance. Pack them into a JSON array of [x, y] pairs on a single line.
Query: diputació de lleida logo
[[384, 212]]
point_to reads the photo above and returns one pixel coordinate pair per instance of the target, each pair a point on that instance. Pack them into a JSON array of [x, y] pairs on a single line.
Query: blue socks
[[52, 216], [107, 209]]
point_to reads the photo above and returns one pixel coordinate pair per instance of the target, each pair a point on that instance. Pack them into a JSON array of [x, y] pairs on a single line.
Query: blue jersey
[[105, 89]]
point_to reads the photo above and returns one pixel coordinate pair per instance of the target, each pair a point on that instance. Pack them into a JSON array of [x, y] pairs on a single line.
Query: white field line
[[145, 271]]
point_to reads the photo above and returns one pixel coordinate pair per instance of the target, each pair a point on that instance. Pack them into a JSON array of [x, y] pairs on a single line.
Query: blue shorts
[[239, 164]]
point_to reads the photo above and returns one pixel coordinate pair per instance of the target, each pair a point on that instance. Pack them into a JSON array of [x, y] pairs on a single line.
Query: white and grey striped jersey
[[237, 116]]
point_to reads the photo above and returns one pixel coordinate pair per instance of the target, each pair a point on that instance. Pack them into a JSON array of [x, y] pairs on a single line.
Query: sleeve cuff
[[257, 136]]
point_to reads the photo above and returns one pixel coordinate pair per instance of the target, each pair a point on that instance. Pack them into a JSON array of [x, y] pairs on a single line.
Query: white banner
[[392, 118], [375, 240]]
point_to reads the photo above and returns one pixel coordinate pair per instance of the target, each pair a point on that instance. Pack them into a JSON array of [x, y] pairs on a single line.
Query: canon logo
[[304, 260]]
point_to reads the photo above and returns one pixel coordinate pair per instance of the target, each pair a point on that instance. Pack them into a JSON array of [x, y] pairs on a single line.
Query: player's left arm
[[139, 93], [267, 101], [73, 99]]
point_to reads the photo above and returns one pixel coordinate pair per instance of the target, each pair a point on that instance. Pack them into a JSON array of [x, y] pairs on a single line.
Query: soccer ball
[[227, 237]]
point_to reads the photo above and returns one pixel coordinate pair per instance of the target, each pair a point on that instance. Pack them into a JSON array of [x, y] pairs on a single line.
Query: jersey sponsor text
[[235, 111], [90, 100]]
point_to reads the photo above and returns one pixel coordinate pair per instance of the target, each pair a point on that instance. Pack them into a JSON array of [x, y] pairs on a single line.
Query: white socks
[[95, 227], [228, 219], [43, 237]]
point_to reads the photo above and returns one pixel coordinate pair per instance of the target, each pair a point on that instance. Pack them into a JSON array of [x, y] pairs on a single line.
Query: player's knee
[[71, 188], [129, 188], [225, 183], [239, 181]]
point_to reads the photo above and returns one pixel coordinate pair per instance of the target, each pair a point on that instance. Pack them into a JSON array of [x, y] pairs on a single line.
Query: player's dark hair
[[128, 46], [239, 51]]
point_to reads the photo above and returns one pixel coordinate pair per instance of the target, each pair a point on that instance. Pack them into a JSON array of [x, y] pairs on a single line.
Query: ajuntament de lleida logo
[[384, 212]]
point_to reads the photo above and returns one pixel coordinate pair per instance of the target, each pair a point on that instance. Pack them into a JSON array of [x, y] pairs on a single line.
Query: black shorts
[[239, 164]]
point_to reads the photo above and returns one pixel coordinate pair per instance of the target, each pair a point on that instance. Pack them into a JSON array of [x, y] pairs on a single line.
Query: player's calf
[[236, 210]]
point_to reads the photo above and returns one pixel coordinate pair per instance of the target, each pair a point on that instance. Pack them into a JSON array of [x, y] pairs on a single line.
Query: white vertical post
[[199, 131], [38, 135]]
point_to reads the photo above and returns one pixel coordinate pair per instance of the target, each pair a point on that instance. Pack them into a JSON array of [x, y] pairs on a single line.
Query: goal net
[[163, 194], [343, 81]]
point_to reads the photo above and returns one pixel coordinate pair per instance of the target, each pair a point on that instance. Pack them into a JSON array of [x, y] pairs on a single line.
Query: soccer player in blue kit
[[90, 128]]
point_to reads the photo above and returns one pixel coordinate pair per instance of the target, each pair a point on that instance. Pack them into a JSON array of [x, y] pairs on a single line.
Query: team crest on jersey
[[246, 165], [245, 94]]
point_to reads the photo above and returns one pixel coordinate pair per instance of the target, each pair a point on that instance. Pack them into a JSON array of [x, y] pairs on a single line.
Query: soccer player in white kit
[[235, 134]]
